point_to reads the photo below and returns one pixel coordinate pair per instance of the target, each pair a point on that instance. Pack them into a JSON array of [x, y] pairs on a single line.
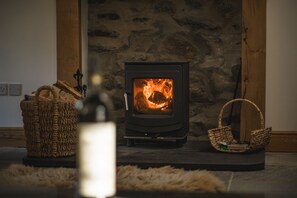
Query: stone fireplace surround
[[207, 34]]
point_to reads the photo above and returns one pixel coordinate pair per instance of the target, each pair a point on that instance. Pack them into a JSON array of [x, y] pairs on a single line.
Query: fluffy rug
[[128, 178]]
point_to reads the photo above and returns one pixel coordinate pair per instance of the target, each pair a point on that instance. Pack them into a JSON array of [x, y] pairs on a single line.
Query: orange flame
[[153, 94]]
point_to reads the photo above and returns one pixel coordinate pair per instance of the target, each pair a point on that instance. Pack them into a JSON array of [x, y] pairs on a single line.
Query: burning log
[[140, 102], [157, 97]]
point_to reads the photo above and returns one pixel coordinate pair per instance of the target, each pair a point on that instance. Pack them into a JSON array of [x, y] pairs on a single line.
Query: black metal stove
[[157, 95]]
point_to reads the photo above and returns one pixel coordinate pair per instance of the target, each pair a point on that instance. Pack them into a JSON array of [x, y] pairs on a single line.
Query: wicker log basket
[[50, 125], [222, 139]]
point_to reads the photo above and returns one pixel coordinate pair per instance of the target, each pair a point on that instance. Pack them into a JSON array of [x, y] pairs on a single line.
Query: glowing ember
[[153, 95]]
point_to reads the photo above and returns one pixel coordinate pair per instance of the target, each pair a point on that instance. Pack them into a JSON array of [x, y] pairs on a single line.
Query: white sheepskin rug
[[128, 178]]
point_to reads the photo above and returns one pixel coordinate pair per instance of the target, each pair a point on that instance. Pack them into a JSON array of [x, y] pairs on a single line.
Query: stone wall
[[207, 33]]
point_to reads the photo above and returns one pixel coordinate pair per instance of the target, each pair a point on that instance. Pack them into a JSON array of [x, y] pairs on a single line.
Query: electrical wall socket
[[3, 89], [15, 89]]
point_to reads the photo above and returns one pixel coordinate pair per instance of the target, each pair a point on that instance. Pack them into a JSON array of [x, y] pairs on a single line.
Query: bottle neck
[[96, 107]]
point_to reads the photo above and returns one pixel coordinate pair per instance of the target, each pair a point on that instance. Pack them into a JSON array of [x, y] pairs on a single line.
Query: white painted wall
[[281, 65], [27, 51]]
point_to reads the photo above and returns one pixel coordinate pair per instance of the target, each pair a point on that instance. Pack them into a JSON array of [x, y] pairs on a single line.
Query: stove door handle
[[126, 101]]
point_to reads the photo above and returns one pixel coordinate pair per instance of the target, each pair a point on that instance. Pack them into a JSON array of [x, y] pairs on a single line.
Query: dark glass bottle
[[97, 144], [96, 107]]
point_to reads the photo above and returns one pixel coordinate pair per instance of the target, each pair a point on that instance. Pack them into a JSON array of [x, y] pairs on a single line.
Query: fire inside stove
[[153, 95]]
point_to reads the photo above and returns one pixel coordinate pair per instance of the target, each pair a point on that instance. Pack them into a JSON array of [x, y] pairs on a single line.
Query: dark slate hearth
[[193, 155]]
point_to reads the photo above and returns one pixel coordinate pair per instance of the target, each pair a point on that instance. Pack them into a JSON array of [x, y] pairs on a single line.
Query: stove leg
[[179, 143], [130, 142]]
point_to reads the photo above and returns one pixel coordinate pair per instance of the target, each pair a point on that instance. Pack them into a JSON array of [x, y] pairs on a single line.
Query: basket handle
[[240, 100], [55, 117], [49, 88]]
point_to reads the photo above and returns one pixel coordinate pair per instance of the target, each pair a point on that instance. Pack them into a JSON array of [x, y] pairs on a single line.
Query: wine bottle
[[97, 144]]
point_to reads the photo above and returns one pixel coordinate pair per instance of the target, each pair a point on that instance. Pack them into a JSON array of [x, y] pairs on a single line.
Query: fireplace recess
[[156, 101]]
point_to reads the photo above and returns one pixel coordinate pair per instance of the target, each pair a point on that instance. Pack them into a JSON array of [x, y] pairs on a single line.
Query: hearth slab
[[193, 155]]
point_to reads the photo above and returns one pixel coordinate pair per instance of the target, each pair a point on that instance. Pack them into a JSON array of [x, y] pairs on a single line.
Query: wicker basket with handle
[[222, 139], [50, 125]]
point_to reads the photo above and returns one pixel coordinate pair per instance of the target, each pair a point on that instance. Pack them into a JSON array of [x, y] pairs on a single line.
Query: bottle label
[[97, 159]]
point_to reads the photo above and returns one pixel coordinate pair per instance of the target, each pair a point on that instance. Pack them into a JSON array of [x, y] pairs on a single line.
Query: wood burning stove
[[156, 99]]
